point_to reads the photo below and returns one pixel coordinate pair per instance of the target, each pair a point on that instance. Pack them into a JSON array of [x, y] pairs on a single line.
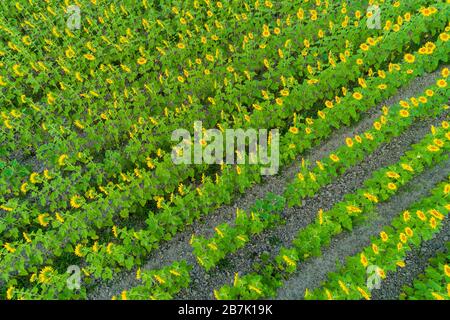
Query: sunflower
[[309, 121], [364, 47], [407, 167], [141, 61], [447, 189], [357, 95], [328, 294], [363, 293], [433, 223], [9, 248], [349, 142], [203, 142], [10, 293], [74, 201], [436, 214], [353, 209], [45, 274], [334, 157], [421, 215], [409, 58], [441, 83], [321, 167], [34, 178], [70, 53], [371, 197], [381, 273], [377, 125], [403, 237], [404, 113], [425, 11], [321, 114], [438, 142], [363, 260], [423, 99], [343, 287], [375, 248], [62, 159], [392, 174], [6, 208], [257, 107], [89, 57], [406, 216], [404, 104], [362, 82], [437, 296], [388, 25], [447, 270], [409, 232], [382, 86], [430, 46], [108, 248], [371, 41], [445, 72], [77, 250], [444, 37], [414, 101], [293, 130], [392, 186], [423, 50], [42, 219], [433, 148]]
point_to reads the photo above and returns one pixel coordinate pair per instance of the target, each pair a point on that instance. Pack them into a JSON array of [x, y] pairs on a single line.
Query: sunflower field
[[93, 206]]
